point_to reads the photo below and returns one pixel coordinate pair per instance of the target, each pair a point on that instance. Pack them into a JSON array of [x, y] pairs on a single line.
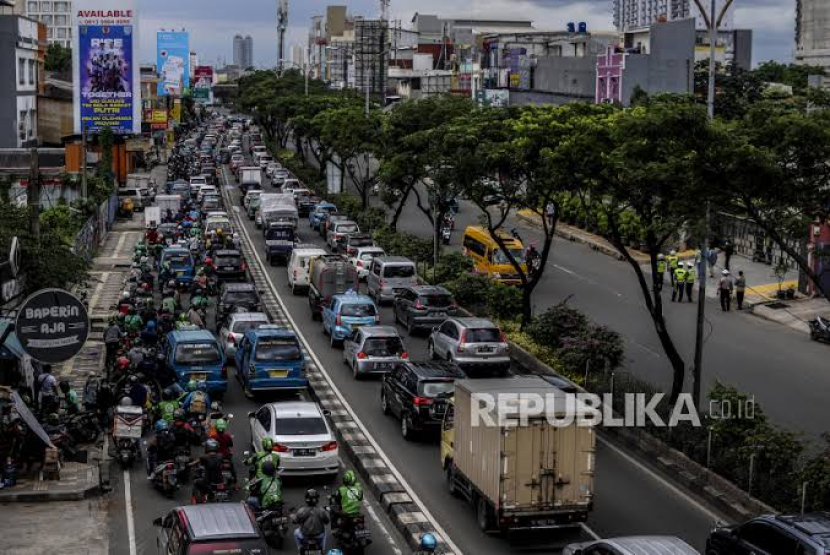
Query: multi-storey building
[[19, 61], [55, 14], [812, 33], [243, 51]]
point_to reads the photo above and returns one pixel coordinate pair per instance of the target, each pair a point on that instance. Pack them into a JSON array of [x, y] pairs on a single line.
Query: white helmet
[[125, 295], [673, 252], [660, 257], [689, 264]]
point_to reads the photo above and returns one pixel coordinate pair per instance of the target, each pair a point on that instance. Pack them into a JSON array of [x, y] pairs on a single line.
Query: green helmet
[[191, 385], [221, 425], [267, 444], [183, 317], [349, 478]]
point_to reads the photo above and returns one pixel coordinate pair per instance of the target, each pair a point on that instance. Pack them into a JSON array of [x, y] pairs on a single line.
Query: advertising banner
[[203, 83], [105, 71], [176, 111], [173, 62], [52, 325]]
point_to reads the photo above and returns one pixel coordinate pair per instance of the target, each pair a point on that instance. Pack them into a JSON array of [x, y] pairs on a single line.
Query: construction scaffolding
[[339, 63], [370, 52]]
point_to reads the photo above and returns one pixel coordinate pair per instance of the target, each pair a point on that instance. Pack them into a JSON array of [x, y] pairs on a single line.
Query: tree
[[794, 75], [736, 89], [58, 58], [648, 161]]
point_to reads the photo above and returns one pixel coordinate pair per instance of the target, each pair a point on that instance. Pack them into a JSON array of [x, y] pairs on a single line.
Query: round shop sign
[[52, 325]]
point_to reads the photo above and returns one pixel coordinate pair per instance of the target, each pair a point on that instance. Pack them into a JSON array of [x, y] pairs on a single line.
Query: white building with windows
[[56, 14], [18, 93], [630, 15]]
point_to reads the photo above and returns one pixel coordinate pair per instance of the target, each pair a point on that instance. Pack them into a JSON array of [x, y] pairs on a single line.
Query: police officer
[[661, 268], [678, 283], [673, 260], [691, 276]]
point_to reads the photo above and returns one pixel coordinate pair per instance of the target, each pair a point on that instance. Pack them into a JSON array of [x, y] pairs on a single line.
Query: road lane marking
[[392, 468], [128, 502], [663, 482], [386, 535]]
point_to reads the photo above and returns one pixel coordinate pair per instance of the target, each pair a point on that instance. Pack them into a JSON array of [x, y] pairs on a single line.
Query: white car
[[231, 333], [271, 168], [289, 185], [264, 160], [279, 176], [301, 435], [249, 196], [206, 190], [362, 259]]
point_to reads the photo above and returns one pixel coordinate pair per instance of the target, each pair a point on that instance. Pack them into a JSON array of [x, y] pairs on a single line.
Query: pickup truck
[[279, 242]]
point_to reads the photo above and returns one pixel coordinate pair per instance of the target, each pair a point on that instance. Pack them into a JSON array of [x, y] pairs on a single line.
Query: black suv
[[229, 264], [236, 297], [417, 393], [423, 306], [807, 534]]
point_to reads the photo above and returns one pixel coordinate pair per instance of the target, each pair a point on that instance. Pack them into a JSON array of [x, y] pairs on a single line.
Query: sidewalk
[[794, 314]]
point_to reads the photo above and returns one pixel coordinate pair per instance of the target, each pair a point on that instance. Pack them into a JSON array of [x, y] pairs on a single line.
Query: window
[[278, 349], [32, 122], [32, 7], [482, 335], [383, 346], [443, 388], [767, 538], [60, 20], [62, 6], [399, 271], [360, 310], [32, 72], [302, 426], [21, 71], [47, 19], [474, 246], [198, 353], [264, 418], [61, 33], [49, 33], [46, 6], [448, 329]]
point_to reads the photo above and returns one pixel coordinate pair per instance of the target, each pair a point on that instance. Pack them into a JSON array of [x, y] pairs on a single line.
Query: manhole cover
[[778, 306]]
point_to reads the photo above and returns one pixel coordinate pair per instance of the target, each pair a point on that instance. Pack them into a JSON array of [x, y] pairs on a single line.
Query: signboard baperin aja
[[52, 325]]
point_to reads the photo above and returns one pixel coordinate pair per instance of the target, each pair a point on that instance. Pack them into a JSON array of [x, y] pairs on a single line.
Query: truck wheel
[[483, 517]]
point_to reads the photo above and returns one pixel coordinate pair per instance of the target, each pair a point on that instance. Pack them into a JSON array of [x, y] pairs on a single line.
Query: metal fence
[[94, 231]]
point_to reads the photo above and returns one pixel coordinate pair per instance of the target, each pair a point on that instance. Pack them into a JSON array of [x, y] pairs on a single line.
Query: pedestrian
[[691, 276], [672, 259], [550, 213], [47, 391], [712, 260], [728, 251], [740, 289], [725, 290], [678, 283]]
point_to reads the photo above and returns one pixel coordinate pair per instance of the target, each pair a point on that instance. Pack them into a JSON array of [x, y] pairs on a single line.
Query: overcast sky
[[213, 23]]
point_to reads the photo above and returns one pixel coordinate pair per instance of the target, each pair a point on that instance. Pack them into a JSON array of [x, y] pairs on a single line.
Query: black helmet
[[311, 497], [269, 469], [64, 386], [211, 446]]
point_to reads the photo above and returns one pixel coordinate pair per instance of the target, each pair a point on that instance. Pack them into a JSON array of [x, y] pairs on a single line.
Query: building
[[812, 33], [55, 14], [243, 51], [630, 15], [20, 53], [298, 55], [194, 63], [370, 56], [55, 119], [733, 47], [660, 61]]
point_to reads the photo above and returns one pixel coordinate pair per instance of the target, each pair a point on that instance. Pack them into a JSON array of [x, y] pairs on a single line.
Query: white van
[[141, 197], [298, 266]]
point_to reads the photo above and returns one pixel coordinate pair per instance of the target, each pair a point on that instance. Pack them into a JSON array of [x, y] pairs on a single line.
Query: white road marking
[[319, 364], [567, 271], [128, 502], [120, 244], [587, 530], [387, 536], [663, 482]]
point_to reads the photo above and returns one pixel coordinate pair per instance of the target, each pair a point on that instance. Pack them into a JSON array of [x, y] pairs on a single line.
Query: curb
[[406, 515], [67, 495]]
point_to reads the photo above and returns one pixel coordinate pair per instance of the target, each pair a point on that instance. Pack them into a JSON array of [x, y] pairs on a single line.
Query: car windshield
[[402, 271], [228, 260], [499, 257], [435, 300], [280, 234], [278, 348], [359, 241], [246, 298], [347, 228], [383, 346], [197, 353], [246, 325], [328, 209], [482, 335], [359, 310], [370, 255], [437, 389], [178, 259], [303, 426]]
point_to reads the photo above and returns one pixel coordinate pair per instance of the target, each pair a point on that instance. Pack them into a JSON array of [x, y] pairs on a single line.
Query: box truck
[[536, 474]]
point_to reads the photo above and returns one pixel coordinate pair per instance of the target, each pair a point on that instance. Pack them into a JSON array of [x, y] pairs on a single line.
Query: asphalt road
[[631, 498]]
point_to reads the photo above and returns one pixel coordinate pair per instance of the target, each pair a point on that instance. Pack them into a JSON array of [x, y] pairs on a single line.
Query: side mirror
[[326, 412], [251, 414], [158, 521], [229, 417], [246, 453]]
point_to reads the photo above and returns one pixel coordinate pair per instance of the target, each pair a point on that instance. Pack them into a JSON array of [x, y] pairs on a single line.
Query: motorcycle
[[274, 526], [83, 427], [166, 479], [820, 330], [310, 546], [182, 461], [351, 534], [446, 234]]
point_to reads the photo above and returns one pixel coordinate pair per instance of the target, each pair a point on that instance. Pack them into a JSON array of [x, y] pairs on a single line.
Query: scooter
[[446, 233], [182, 461], [166, 479], [310, 546], [820, 330], [351, 534], [126, 434]]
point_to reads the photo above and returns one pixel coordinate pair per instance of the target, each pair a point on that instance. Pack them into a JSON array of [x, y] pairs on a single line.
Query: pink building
[[610, 67]]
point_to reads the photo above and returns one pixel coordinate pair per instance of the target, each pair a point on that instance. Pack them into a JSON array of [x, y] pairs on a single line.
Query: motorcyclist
[[532, 256], [197, 401], [211, 464], [125, 303], [311, 521], [223, 437], [150, 336], [183, 321], [347, 500], [69, 400], [258, 459], [199, 300], [133, 320], [160, 448], [122, 365], [137, 391], [266, 492], [184, 432], [167, 407], [194, 318]]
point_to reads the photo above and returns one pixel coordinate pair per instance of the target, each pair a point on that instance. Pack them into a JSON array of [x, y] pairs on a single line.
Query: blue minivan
[[345, 313], [269, 358], [197, 355], [181, 264]]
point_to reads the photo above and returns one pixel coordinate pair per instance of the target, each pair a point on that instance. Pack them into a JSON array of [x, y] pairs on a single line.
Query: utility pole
[[34, 194], [84, 193], [712, 21]]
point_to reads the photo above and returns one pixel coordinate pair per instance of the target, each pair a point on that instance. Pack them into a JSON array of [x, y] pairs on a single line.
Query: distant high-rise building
[[812, 33], [238, 51], [248, 49], [639, 14], [57, 16], [298, 55], [194, 63]]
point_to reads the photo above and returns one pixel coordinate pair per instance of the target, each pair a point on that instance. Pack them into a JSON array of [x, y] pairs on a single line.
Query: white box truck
[[536, 475]]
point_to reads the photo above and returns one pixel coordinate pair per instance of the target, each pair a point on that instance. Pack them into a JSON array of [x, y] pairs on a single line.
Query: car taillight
[[338, 321], [361, 356], [404, 355], [453, 305], [330, 446], [502, 337], [377, 318], [383, 283], [279, 448], [295, 273], [422, 401], [170, 466]]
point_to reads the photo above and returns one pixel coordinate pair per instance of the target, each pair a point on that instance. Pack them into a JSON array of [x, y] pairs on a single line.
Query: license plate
[[179, 273], [383, 365], [486, 349], [439, 314], [278, 373], [199, 377], [360, 534], [228, 268], [303, 452]]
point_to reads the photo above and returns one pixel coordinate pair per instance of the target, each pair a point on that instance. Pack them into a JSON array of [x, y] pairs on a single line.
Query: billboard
[[173, 62], [104, 67], [203, 83]]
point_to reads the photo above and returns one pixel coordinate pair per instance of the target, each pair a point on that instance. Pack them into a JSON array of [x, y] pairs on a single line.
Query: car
[[271, 168], [205, 190], [289, 185], [302, 437], [336, 236], [472, 343], [373, 350], [315, 217], [343, 314], [355, 241], [807, 534], [236, 297], [182, 265], [264, 160], [362, 259], [231, 333], [423, 306], [632, 545], [249, 196], [229, 264], [210, 528], [197, 355], [388, 275], [327, 220], [418, 394], [269, 358], [279, 176]]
